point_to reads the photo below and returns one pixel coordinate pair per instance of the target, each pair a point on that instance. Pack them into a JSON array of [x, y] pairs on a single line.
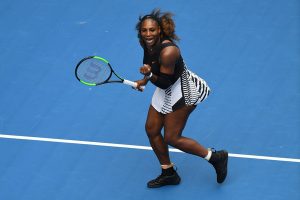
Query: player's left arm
[[168, 59]]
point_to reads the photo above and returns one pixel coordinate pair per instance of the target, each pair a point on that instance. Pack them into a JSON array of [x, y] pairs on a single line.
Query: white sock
[[167, 166], [208, 156]]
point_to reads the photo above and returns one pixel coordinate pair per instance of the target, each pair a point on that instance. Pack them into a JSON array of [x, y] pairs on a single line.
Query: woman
[[178, 92]]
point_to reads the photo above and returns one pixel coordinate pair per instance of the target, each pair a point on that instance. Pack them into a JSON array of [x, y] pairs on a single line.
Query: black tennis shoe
[[219, 160], [167, 177]]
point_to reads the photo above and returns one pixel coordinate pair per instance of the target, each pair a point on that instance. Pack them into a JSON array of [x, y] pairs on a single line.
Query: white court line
[[18, 137]]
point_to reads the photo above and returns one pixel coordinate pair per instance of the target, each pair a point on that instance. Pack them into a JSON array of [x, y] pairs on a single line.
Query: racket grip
[[132, 84]]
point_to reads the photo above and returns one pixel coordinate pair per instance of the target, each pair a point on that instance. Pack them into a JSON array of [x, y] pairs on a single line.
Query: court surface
[[62, 140]]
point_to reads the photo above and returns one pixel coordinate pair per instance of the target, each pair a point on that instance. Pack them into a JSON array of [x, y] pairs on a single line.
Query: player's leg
[[154, 125], [174, 125]]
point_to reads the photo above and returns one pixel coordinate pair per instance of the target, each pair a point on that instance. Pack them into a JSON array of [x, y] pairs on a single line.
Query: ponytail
[[168, 26], [164, 21]]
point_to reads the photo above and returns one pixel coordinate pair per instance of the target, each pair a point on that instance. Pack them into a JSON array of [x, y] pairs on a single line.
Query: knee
[[151, 130], [171, 140]]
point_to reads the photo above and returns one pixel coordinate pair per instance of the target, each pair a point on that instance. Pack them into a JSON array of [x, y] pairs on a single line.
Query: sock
[[167, 166], [168, 169], [208, 156]]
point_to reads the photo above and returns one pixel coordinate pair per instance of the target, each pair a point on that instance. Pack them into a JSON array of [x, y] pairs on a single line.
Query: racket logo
[[92, 71]]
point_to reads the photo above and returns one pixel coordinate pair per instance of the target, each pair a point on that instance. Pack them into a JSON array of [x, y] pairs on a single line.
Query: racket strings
[[93, 71]]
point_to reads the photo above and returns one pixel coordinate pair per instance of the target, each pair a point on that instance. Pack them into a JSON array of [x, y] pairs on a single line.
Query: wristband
[[149, 76]]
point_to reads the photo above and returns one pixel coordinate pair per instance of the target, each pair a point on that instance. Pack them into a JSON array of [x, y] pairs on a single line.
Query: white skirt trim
[[189, 89]]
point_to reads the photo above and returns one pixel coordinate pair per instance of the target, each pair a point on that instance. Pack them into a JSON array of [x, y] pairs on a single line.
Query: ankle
[[167, 166], [168, 172], [209, 154], [215, 157]]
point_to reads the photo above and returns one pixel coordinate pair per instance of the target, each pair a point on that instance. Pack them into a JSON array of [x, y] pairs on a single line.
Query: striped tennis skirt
[[188, 90]]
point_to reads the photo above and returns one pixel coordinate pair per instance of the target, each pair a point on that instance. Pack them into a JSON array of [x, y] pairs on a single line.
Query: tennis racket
[[94, 70]]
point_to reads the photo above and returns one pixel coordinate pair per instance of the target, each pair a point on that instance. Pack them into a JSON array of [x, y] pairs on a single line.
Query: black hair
[[164, 21]]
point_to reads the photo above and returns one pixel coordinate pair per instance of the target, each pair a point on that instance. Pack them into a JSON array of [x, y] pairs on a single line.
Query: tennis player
[[178, 91]]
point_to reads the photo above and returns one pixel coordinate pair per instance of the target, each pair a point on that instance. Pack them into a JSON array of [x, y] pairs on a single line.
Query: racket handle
[[132, 84]]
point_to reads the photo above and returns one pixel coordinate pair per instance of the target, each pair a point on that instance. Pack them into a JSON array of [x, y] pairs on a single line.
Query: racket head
[[93, 71]]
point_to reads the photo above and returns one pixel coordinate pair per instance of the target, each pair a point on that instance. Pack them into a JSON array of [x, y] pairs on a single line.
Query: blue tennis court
[[60, 139]]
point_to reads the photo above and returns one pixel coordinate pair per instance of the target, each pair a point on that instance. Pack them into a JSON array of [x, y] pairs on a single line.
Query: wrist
[[149, 76]]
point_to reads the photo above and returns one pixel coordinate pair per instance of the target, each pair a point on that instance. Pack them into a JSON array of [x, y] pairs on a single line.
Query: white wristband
[[149, 76]]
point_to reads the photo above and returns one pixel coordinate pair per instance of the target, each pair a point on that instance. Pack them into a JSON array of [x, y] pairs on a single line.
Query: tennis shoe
[[167, 177], [219, 160]]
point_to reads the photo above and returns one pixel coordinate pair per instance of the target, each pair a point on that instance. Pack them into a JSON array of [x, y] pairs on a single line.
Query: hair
[[164, 21]]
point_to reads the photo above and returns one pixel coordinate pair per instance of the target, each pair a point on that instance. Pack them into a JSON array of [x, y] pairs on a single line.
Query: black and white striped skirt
[[189, 89]]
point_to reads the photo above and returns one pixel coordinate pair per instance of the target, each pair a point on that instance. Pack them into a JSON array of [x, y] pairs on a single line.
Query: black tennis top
[[153, 59]]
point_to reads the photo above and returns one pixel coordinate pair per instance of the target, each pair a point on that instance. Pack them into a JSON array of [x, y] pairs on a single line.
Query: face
[[150, 32]]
